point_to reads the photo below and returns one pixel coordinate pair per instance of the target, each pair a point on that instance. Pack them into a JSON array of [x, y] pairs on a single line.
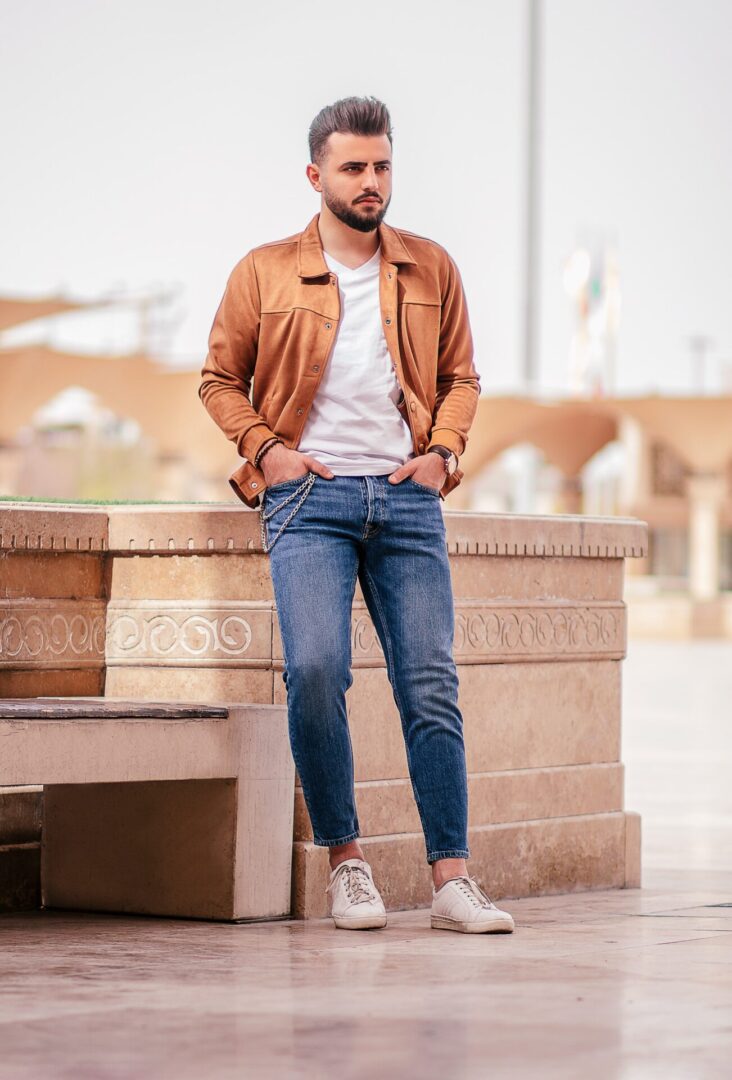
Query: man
[[364, 392]]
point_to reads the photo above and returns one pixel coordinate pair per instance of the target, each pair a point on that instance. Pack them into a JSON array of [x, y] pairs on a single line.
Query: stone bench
[[157, 808]]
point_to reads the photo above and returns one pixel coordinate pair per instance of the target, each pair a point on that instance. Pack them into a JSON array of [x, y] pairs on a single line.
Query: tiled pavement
[[630, 984]]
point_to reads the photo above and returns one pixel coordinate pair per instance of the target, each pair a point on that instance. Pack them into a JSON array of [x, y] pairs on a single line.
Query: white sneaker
[[460, 904], [355, 900]]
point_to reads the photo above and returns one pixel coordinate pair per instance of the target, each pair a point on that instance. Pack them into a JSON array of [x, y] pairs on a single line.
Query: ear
[[313, 174]]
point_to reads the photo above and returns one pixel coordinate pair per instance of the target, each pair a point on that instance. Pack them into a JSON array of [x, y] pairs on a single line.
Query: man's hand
[[280, 464], [428, 469]]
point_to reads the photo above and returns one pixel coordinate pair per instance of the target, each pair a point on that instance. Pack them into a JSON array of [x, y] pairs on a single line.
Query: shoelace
[[358, 884], [474, 893]]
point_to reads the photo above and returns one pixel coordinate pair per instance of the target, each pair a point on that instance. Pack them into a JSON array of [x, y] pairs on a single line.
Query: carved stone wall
[[177, 603]]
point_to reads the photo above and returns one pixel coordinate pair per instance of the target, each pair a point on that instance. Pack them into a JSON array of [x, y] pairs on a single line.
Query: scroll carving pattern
[[580, 630], [518, 631], [52, 633], [178, 635], [68, 633]]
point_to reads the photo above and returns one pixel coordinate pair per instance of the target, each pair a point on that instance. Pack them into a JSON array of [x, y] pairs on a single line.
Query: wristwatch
[[448, 456]]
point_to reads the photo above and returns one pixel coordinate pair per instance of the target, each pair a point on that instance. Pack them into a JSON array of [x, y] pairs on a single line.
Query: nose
[[370, 179]]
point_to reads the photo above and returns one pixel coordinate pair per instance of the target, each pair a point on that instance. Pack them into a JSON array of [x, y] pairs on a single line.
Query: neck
[[347, 245]]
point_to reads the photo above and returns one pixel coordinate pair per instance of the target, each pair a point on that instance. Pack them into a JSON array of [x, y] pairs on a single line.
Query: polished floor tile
[[622, 985]]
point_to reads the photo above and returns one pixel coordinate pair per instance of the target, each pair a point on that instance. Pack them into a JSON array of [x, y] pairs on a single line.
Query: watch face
[[448, 456]]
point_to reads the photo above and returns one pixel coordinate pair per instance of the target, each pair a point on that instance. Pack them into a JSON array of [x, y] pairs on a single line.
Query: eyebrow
[[345, 164]]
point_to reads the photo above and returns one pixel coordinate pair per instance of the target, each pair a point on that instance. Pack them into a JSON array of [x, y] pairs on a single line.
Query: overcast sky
[[153, 141]]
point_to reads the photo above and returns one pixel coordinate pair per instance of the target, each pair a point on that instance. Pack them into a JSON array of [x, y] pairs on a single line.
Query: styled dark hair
[[351, 115]]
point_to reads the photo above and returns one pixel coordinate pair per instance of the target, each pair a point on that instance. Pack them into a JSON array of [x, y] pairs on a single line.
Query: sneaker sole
[[441, 922], [363, 922]]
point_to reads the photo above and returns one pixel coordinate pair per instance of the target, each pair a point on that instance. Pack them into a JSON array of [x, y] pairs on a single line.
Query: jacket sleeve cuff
[[449, 438], [251, 442]]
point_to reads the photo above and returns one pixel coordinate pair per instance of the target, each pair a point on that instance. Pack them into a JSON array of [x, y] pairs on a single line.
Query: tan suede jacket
[[276, 326]]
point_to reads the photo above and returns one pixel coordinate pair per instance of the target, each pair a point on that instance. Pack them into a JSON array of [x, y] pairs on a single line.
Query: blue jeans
[[392, 538]]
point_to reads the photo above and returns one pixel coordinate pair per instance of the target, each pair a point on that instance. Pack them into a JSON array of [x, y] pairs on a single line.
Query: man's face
[[355, 179]]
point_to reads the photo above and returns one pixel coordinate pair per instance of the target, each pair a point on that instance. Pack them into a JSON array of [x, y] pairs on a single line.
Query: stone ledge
[[557, 535], [199, 528], [28, 527], [194, 529]]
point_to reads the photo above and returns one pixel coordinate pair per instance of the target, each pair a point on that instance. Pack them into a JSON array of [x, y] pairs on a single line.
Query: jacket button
[[389, 276], [254, 483], [299, 412], [328, 326], [388, 322], [316, 367], [413, 406], [421, 446]]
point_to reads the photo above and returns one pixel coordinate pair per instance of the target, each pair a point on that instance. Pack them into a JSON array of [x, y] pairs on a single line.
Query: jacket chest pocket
[[420, 339], [293, 346]]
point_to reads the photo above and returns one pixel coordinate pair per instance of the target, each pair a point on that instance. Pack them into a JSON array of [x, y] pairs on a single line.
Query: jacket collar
[[312, 264]]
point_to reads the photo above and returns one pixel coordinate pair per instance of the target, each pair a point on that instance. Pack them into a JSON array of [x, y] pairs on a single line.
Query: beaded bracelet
[[263, 449]]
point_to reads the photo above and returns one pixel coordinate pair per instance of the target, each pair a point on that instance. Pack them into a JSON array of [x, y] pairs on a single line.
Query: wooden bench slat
[[103, 709]]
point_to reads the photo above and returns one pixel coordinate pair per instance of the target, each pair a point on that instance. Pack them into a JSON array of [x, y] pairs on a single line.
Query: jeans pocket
[[294, 493], [432, 491], [285, 483]]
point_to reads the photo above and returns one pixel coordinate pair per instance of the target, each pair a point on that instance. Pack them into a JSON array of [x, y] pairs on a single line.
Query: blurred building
[[129, 427], [102, 426], [667, 460]]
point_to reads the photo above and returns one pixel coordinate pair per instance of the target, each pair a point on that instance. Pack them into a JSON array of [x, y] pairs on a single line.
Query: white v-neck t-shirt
[[354, 426]]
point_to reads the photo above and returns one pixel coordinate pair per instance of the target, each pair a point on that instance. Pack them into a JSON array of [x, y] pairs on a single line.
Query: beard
[[363, 218]]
